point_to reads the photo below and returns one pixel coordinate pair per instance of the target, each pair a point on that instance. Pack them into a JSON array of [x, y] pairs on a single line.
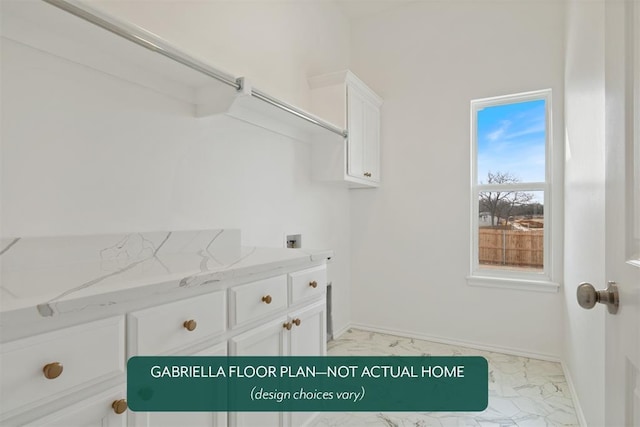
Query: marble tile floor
[[522, 392]]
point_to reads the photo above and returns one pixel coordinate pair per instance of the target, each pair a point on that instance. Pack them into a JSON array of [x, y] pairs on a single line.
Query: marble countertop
[[51, 276]]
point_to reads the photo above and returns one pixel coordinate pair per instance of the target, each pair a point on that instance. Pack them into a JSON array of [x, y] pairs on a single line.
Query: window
[[511, 191]]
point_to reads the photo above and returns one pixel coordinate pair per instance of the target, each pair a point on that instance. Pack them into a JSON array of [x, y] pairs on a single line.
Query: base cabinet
[[288, 318]]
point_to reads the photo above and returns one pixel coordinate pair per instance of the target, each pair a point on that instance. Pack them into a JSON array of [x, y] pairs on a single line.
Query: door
[[371, 144], [309, 334], [355, 124], [191, 419], [271, 339], [622, 195], [308, 338]]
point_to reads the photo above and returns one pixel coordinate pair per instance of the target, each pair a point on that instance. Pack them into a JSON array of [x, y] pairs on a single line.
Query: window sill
[[512, 283]]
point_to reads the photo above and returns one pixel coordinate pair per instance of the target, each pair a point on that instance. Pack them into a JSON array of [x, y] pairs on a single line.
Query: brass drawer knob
[[313, 284], [296, 322], [287, 326], [267, 299], [190, 325], [52, 370], [119, 406]]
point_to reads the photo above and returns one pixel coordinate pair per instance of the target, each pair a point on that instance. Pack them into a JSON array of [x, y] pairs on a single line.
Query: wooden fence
[[511, 247]]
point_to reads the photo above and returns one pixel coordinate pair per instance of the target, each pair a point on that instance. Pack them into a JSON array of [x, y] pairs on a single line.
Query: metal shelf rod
[[142, 38], [296, 112]]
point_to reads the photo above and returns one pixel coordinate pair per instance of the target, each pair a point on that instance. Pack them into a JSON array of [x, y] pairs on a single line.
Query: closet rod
[[296, 112], [141, 38]]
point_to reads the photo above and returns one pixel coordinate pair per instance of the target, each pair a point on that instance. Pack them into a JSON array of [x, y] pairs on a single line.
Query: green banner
[[193, 383]]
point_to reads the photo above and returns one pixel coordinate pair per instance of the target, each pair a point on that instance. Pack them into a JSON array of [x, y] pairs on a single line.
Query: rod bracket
[[243, 86]]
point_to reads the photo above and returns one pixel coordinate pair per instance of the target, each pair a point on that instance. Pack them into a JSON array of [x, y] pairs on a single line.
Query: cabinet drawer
[[97, 410], [254, 300], [169, 327], [87, 354], [307, 283]]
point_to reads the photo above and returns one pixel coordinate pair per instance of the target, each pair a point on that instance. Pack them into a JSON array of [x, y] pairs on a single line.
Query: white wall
[[584, 201], [83, 152], [410, 238]]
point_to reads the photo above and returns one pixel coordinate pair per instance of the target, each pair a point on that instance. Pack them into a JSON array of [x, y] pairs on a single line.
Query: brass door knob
[[267, 299], [119, 406], [313, 284], [52, 370], [190, 325], [296, 322], [287, 326]]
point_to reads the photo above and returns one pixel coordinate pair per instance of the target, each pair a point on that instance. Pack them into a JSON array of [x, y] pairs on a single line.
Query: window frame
[[513, 279]]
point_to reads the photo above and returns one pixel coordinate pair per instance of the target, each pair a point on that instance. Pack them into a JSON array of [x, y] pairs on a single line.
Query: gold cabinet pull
[[52, 370], [190, 325], [313, 284], [267, 299], [287, 326], [297, 322], [119, 406]]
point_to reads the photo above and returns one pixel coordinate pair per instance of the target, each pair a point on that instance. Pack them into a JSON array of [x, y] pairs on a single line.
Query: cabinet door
[[308, 338], [190, 419], [270, 339], [96, 411], [371, 146], [355, 125], [309, 333]]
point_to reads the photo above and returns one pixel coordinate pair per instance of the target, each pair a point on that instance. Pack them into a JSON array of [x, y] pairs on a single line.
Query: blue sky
[[511, 138]]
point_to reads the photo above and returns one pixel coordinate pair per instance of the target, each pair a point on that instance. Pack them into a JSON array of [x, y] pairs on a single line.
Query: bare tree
[[500, 204]]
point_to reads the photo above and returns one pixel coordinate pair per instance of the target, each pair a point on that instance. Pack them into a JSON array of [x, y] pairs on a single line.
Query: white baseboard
[[340, 332], [470, 344], [574, 396]]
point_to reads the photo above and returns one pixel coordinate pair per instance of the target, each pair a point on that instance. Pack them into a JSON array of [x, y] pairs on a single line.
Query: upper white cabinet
[[344, 99]]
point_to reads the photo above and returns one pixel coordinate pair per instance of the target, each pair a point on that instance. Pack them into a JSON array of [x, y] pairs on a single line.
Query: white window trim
[[496, 278]]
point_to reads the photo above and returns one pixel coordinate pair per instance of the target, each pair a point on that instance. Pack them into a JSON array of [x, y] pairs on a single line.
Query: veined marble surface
[[48, 276], [522, 392]]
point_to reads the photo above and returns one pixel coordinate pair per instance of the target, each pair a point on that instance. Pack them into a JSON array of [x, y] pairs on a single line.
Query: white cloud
[[498, 133]]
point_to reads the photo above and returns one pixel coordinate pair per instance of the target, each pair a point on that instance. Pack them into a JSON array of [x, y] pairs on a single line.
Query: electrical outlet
[[293, 241]]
